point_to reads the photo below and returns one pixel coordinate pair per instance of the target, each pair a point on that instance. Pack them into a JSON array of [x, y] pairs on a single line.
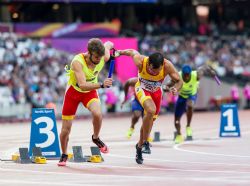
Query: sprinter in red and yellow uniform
[[152, 71], [82, 88]]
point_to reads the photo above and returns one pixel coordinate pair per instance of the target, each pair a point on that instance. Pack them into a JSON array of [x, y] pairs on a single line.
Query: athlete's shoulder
[[140, 58], [78, 57], [168, 66]]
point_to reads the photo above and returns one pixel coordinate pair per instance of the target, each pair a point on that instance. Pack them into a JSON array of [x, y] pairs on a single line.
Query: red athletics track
[[208, 160]]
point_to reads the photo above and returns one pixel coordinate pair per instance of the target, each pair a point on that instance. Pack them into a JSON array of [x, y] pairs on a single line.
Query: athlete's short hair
[[96, 46], [156, 59]]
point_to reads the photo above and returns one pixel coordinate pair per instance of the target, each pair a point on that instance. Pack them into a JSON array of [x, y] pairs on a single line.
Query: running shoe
[[130, 132], [63, 160], [189, 132], [178, 139], [103, 148], [146, 148], [138, 157]]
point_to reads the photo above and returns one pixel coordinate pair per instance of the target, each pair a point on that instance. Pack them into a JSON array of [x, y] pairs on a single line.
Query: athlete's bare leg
[[147, 122], [190, 106], [95, 109], [64, 135], [135, 117], [177, 124]]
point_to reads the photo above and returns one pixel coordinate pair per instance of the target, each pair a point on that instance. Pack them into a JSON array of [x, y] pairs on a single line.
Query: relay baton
[[112, 63], [111, 68], [217, 80]]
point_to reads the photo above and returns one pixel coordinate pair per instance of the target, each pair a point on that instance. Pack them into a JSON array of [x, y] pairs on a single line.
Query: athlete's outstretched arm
[[108, 46], [137, 57], [205, 69], [81, 79], [129, 83]]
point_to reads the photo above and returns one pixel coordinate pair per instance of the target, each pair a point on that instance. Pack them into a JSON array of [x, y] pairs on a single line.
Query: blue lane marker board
[[44, 132], [229, 125]]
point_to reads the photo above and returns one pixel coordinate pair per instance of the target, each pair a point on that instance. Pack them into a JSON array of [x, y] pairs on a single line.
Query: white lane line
[[84, 174], [18, 182], [188, 162], [130, 176], [177, 147]]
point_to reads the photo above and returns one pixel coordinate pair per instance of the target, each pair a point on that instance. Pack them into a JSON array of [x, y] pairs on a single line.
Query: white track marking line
[[86, 174], [177, 147], [126, 176], [188, 162], [18, 182]]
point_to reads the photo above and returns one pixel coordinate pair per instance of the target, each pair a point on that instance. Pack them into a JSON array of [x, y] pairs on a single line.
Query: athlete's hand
[[117, 53], [211, 71], [124, 101], [165, 88], [173, 90], [109, 45], [107, 82]]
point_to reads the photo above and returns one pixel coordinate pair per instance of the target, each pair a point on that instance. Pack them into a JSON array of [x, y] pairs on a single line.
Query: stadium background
[[39, 37]]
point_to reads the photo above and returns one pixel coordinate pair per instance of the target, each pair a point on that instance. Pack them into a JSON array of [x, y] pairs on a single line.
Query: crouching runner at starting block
[[187, 98], [82, 88]]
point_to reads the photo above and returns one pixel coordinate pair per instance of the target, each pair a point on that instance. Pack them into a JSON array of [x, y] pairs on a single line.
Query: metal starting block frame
[[24, 157], [78, 154], [95, 151], [189, 138], [157, 137], [37, 156], [79, 157]]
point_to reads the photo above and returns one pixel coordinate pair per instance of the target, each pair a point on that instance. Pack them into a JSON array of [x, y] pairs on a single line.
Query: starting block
[[70, 157], [78, 154], [39, 160], [95, 159], [15, 157], [24, 156], [189, 138], [157, 136], [37, 156], [95, 151]]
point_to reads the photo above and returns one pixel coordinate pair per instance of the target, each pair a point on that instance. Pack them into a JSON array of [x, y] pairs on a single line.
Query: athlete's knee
[[97, 114], [190, 103], [190, 108], [136, 115], [151, 111], [66, 128]]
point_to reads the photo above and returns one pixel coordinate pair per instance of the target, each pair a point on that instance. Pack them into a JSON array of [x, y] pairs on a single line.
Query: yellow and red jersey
[[148, 81]]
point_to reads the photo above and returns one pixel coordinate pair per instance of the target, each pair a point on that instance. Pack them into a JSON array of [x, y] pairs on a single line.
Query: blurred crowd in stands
[[160, 25], [230, 56], [33, 72]]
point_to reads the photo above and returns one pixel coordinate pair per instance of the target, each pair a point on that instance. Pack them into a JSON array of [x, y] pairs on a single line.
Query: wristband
[[101, 85]]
